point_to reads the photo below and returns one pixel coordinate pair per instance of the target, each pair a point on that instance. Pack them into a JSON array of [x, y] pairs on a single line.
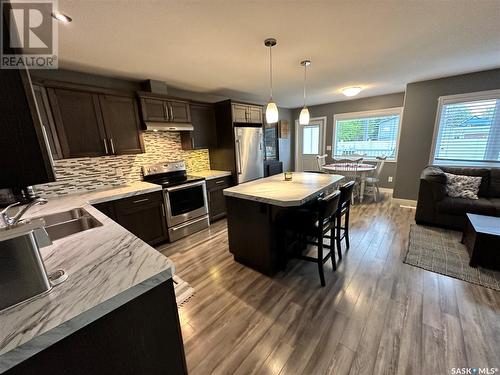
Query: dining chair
[[311, 225], [321, 160], [349, 169], [343, 211], [372, 182]]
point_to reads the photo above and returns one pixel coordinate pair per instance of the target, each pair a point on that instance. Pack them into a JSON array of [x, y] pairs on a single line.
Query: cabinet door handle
[[141, 200], [171, 113], [105, 146], [167, 111], [112, 145]]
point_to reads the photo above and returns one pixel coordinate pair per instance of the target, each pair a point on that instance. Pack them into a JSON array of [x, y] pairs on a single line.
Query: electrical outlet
[[389, 179], [119, 172], [328, 148]]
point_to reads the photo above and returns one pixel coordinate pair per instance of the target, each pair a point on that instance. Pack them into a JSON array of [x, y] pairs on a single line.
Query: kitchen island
[[252, 209], [116, 313]]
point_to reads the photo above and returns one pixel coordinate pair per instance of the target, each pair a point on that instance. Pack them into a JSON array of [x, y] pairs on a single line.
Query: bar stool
[[344, 207], [311, 225]]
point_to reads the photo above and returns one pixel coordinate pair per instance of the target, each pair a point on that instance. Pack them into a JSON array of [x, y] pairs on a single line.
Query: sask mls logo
[[29, 35]]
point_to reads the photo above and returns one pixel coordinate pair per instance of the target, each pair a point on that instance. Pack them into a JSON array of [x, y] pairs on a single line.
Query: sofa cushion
[[461, 206], [476, 172], [494, 188], [458, 186], [496, 203]]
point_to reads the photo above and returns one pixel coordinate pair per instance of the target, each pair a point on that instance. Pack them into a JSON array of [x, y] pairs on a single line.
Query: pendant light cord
[[305, 77], [271, 70]]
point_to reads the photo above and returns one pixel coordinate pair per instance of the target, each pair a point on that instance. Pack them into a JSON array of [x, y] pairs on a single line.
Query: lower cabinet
[[142, 215], [142, 336], [216, 199]]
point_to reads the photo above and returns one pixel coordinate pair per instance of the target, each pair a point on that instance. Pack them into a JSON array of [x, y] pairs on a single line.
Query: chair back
[[327, 206], [321, 159], [349, 167], [346, 193], [380, 164]]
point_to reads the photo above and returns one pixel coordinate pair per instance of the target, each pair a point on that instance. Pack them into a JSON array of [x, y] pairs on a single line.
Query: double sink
[[66, 223]]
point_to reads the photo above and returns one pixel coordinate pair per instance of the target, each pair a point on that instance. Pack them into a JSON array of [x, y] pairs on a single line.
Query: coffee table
[[481, 237]]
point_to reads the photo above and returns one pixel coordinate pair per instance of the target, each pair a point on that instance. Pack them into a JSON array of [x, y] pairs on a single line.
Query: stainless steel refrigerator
[[249, 153]]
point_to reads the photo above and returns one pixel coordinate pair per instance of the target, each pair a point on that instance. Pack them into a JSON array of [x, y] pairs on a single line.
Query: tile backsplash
[[84, 174]]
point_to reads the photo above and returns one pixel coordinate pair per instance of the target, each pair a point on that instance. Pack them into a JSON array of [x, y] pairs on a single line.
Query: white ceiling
[[216, 46]]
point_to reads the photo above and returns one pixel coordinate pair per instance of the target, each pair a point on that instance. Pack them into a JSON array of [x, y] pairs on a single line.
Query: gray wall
[[353, 105], [419, 117]]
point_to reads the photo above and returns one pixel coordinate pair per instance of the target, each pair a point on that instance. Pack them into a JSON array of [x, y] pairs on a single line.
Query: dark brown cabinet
[[90, 123], [42, 102], [247, 113], [121, 121], [216, 199], [161, 109], [203, 120], [143, 215]]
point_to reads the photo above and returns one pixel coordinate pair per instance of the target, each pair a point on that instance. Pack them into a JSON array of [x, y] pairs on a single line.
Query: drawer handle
[[141, 200], [219, 182]]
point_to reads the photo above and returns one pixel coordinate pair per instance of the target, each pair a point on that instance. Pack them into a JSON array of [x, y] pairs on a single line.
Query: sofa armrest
[[435, 182], [432, 189]]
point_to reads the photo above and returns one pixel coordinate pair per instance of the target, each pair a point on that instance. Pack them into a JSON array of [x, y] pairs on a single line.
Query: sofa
[[435, 207]]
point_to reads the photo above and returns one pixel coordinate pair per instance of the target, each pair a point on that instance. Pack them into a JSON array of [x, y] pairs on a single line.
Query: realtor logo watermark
[[29, 35], [474, 370]]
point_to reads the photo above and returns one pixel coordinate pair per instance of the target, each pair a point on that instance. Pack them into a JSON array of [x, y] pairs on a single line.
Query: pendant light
[[304, 114], [272, 108]]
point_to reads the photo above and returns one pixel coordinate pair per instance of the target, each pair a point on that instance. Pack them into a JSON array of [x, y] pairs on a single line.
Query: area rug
[[439, 250], [183, 291]]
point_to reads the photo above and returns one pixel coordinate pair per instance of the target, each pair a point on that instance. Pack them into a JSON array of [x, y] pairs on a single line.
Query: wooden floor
[[376, 315]]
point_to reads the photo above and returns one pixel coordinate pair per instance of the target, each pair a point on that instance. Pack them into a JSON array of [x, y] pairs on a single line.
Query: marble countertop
[[276, 191], [210, 174], [107, 266]]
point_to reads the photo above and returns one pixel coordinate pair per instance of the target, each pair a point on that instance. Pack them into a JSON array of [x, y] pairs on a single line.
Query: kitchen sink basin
[[61, 217], [70, 227], [66, 223]]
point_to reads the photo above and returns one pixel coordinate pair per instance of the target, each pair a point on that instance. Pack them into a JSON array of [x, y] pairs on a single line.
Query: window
[[468, 130], [371, 133], [310, 144]]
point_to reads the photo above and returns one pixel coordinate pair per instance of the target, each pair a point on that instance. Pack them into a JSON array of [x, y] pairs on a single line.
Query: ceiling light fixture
[[304, 114], [272, 108], [351, 91], [61, 17]]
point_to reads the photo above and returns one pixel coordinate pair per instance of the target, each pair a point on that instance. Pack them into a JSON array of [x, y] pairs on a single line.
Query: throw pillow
[[458, 186]]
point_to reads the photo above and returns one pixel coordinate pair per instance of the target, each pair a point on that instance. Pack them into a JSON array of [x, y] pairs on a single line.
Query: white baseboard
[[405, 202]]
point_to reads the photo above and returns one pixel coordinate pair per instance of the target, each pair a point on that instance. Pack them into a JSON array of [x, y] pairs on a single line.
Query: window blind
[[469, 132], [367, 135]]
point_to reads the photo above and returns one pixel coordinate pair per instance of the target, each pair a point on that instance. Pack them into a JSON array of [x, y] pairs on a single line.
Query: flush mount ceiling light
[[61, 17], [304, 114], [272, 108], [351, 91]]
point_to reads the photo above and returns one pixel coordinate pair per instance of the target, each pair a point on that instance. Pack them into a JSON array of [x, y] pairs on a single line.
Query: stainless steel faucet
[[11, 221]]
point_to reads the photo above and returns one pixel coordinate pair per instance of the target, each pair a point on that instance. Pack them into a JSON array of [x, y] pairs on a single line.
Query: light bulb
[[271, 112], [351, 91], [304, 116]]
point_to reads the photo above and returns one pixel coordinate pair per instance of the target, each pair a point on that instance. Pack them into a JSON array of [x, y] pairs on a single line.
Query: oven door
[[185, 202]]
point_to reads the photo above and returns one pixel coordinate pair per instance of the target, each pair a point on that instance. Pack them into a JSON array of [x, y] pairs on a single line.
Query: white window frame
[[459, 98], [372, 113]]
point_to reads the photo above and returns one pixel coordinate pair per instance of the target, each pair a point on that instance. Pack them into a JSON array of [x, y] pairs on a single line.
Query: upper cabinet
[[203, 135], [121, 122], [247, 113], [156, 108], [93, 123]]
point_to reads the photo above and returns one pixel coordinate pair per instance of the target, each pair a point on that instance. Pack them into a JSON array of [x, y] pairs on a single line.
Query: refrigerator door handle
[[238, 156]]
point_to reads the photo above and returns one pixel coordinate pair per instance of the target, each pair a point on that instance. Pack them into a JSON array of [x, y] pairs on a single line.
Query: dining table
[[360, 169]]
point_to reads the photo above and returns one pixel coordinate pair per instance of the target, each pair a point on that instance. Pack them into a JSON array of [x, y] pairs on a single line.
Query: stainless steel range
[[186, 207]]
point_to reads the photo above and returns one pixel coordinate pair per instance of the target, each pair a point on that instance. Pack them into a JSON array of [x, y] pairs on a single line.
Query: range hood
[[158, 126]]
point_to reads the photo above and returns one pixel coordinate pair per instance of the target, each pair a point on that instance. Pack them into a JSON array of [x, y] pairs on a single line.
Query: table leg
[[362, 188]]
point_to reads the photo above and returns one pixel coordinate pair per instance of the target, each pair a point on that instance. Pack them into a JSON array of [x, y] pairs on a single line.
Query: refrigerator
[[249, 147]]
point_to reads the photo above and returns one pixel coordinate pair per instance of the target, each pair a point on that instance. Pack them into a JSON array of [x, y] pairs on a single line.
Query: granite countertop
[[276, 191], [107, 266], [210, 174]]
